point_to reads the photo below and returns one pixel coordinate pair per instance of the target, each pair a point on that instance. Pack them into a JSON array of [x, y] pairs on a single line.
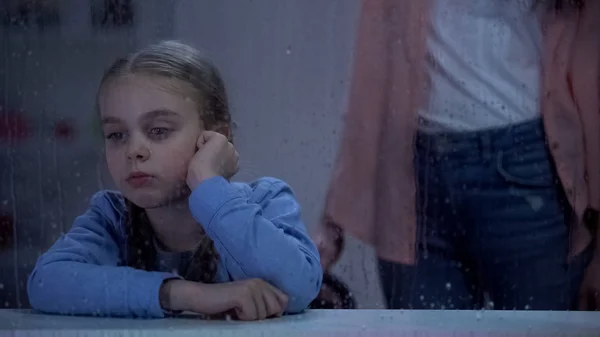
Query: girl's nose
[[138, 151]]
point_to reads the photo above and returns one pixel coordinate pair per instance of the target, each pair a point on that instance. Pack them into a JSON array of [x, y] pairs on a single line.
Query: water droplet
[[288, 51], [1, 286], [535, 202], [478, 315], [448, 286]]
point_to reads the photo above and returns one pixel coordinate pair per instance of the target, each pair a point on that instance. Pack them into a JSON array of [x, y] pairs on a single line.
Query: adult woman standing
[[471, 154]]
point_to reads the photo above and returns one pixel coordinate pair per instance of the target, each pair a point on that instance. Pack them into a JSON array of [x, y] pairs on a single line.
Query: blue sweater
[[256, 228]]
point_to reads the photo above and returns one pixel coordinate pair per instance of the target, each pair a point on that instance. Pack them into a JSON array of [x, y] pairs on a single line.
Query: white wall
[[286, 64]]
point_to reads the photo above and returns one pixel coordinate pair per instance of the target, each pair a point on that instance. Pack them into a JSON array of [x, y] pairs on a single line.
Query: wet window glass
[[264, 160]]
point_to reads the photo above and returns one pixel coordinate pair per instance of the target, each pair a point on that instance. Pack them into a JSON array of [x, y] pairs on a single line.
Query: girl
[[178, 235], [471, 155]]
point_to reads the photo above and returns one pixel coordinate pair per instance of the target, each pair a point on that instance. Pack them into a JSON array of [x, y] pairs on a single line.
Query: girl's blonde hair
[[175, 60]]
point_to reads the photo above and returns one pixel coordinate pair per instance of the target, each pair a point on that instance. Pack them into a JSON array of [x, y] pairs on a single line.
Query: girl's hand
[[255, 299], [248, 300], [216, 156]]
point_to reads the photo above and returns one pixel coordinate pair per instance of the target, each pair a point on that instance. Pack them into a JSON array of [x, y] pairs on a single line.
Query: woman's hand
[[589, 293], [216, 156], [329, 239], [248, 300]]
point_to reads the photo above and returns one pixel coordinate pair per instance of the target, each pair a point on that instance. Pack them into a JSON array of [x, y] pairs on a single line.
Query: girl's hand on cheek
[[216, 156]]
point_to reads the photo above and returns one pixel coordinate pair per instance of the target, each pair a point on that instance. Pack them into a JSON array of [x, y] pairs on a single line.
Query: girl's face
[[150, 128]]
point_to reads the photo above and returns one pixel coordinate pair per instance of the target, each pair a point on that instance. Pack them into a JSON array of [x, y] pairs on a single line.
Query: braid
[[561, 5], [203, 265], [141, 249], [142, 252]]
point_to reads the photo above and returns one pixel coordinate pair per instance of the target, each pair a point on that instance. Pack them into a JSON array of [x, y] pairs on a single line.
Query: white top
[[484, 65]]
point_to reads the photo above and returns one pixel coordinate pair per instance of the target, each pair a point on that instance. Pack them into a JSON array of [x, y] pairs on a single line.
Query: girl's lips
[[139, 179]]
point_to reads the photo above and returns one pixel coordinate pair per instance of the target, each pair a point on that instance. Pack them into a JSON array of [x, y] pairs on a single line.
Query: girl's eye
[[116, 136], [159, 132]]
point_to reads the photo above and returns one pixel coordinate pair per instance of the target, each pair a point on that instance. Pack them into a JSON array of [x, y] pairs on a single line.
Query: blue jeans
[[492, 226]]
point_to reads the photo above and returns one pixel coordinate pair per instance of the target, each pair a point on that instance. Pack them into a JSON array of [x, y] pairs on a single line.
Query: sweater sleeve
[[261, 235], [81, 273]]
